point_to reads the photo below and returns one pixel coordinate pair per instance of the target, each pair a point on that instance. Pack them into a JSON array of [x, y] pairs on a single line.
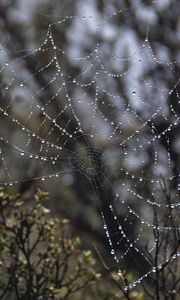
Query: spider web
[[107, 135]]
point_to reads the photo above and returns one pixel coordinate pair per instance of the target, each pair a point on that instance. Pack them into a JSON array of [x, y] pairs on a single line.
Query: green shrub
[[39, 257]]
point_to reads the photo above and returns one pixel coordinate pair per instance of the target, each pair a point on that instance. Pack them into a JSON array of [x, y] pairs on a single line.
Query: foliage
[[39, 257]]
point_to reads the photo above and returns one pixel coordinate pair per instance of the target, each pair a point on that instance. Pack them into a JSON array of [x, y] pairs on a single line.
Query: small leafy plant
[[39, 257]]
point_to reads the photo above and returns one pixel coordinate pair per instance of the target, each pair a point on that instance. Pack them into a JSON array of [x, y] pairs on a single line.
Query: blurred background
[[89, 105]]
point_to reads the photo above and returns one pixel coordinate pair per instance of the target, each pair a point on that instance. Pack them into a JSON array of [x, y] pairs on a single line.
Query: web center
[[88, 162]]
